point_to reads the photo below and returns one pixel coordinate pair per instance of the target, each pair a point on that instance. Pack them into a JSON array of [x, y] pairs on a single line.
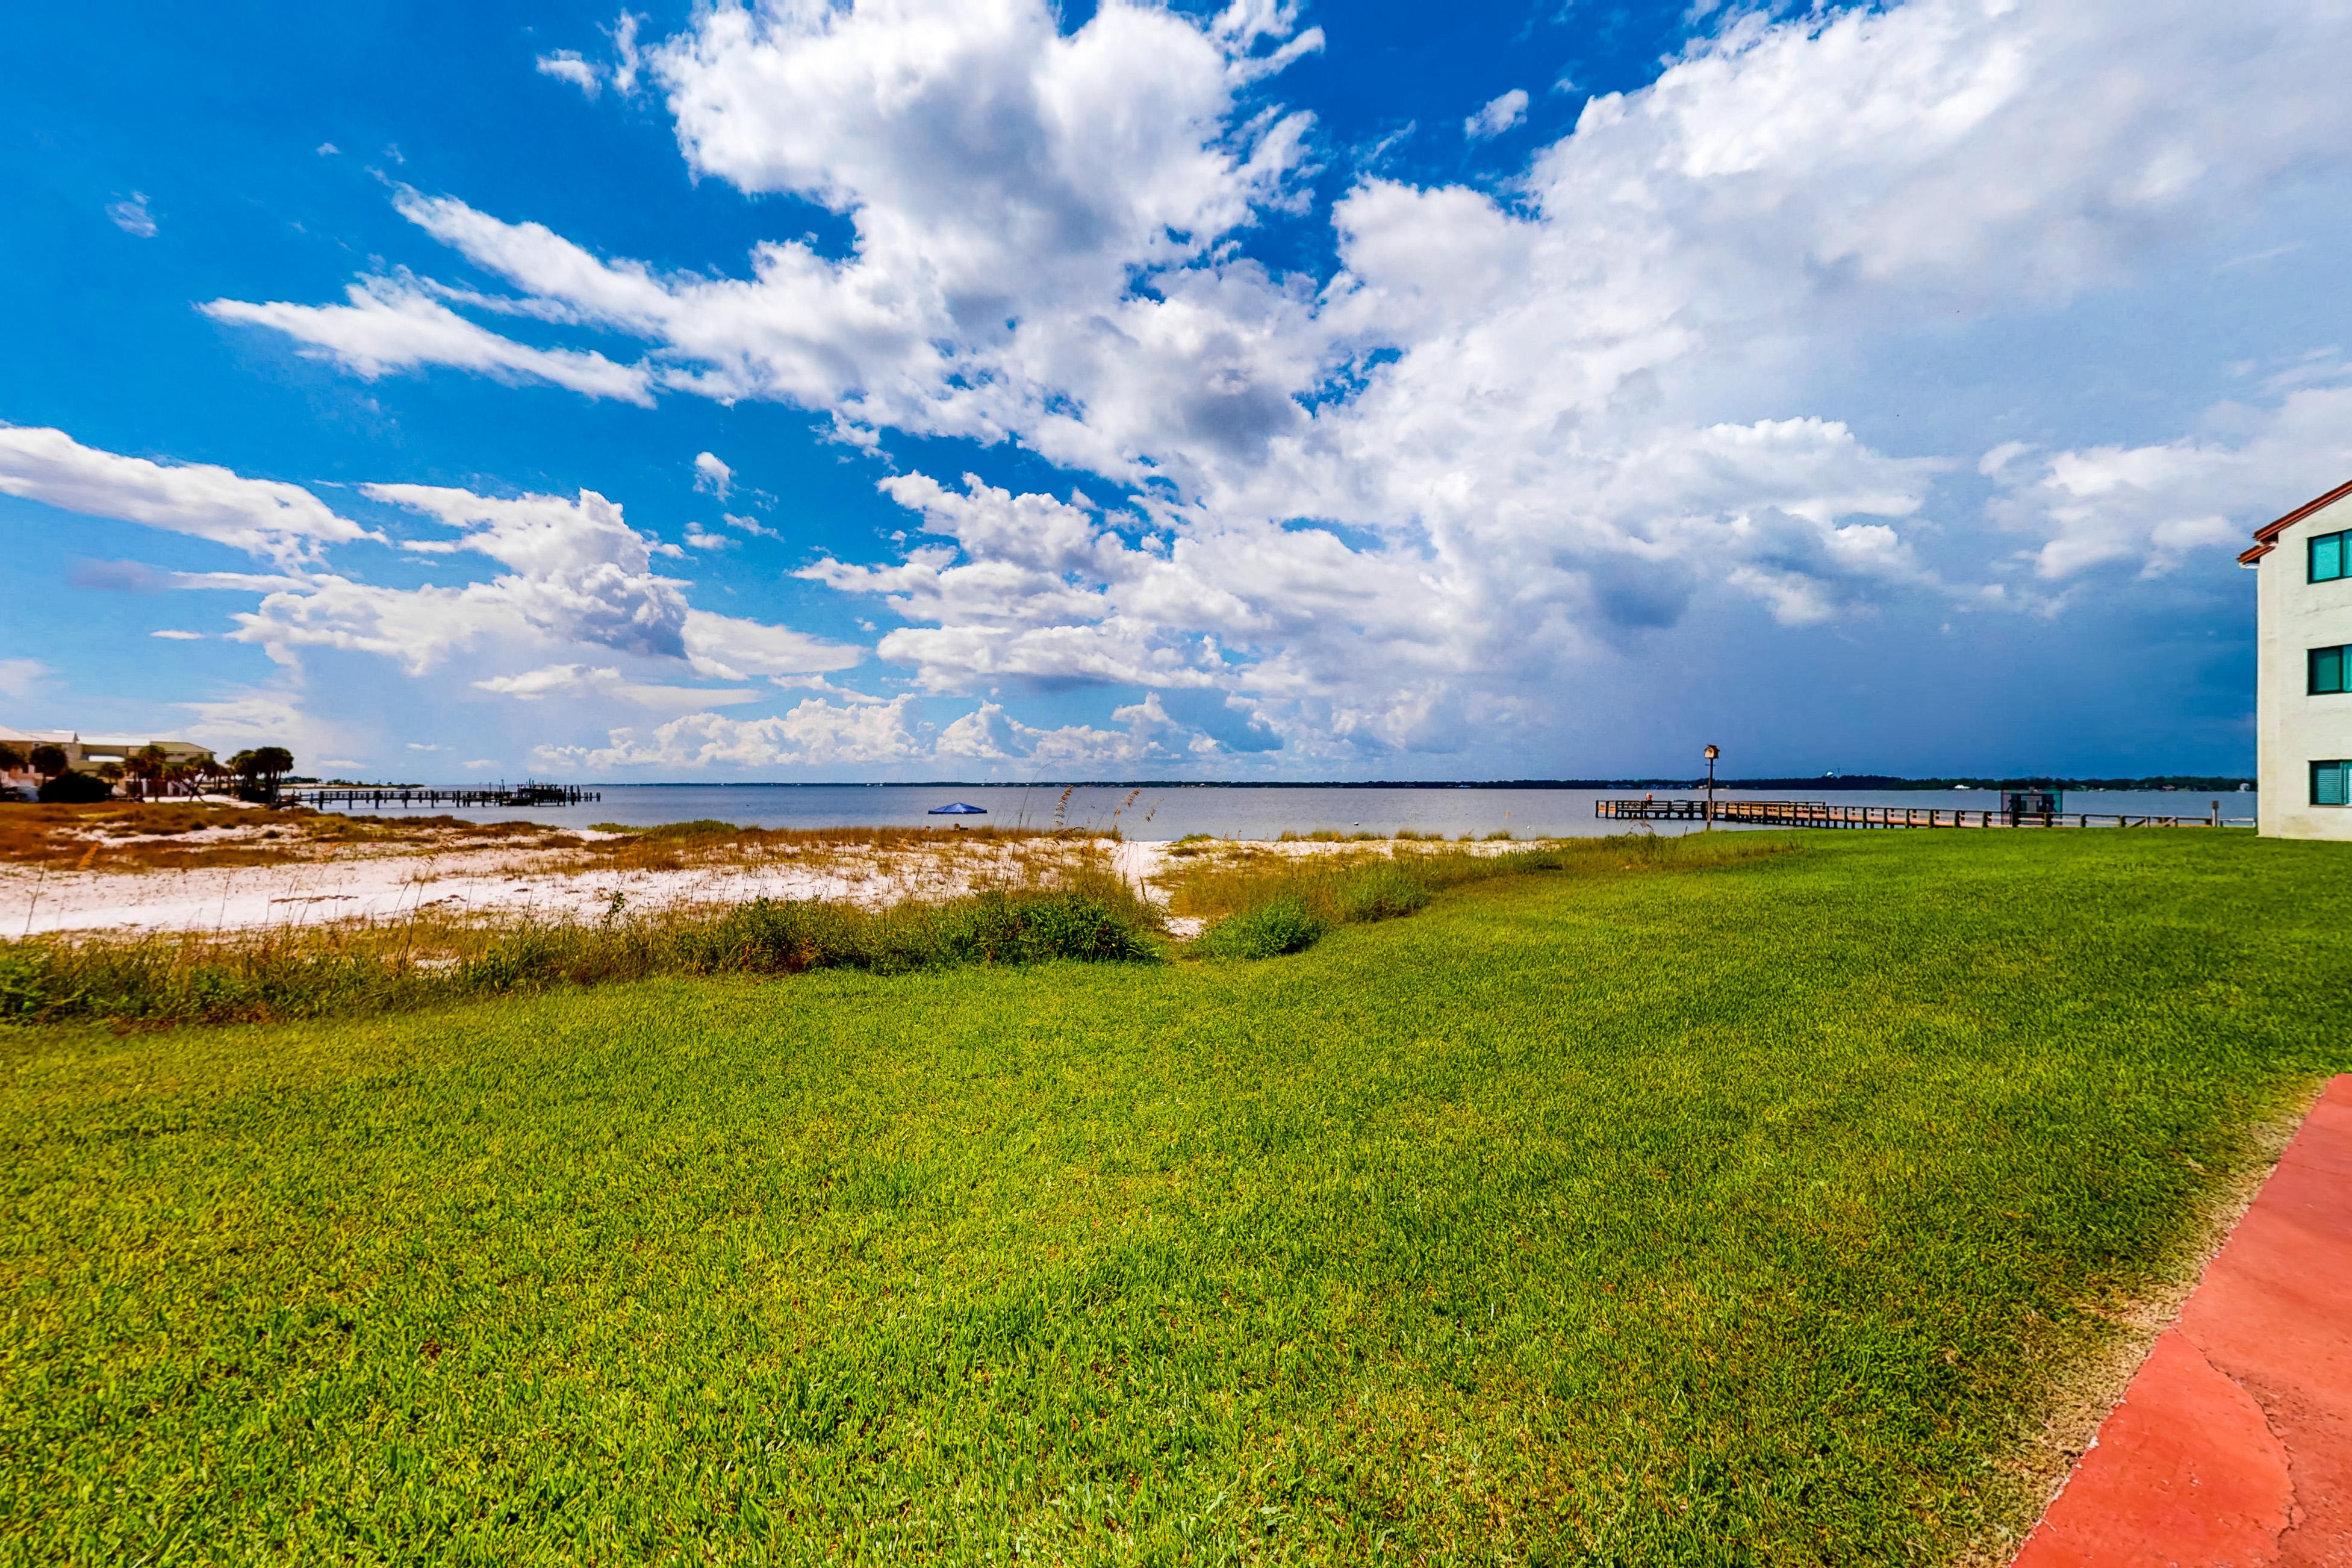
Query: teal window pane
[[2327, 558], [2326, 670], [2331, 783]]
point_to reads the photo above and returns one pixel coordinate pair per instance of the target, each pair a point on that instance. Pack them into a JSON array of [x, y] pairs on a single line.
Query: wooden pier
[[1821, 814], [431, 799]]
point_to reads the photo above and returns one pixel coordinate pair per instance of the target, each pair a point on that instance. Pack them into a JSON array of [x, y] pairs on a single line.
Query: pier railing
[[1821, 814], [377, 799]]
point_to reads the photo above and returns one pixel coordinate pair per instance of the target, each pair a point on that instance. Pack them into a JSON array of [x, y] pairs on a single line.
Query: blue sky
[[977, 390]]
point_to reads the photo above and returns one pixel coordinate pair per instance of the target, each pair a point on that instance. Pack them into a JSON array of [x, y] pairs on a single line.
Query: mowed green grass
[[1744, 1216]]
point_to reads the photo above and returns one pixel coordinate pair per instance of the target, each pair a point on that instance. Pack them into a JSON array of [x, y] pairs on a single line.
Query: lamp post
[[1712, 753]]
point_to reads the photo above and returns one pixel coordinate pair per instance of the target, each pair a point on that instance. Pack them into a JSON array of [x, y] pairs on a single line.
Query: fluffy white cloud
[[579, 680], [988, 733], [711, 476], [565, 64], [2151, 507], [282, 523], [1006, 180], [573, 574], [625, 57], [570, 65], [1498, 115], [392, 325], [815, 732], [859, 731], [1320, 638], [577, 575], [732, 647], [1407, 502]]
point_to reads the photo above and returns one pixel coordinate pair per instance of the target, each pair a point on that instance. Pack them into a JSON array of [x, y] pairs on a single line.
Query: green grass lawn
[[1740, 1215]]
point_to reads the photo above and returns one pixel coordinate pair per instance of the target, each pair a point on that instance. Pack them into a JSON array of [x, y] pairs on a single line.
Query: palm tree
[[274, 762], [261, 768], [12, 760], [147, 765], [49, 761]]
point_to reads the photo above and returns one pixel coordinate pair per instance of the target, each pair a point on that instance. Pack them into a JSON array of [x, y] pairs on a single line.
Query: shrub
[[1283, 924], [72, 788], [1078, 925], [1379, 893]]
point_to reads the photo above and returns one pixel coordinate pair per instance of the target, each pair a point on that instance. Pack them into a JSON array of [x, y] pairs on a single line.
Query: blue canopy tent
[[959, 808]]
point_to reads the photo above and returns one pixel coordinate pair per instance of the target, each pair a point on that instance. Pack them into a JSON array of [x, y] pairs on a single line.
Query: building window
[[2329, 668], [2328, 557], [2331, 783]]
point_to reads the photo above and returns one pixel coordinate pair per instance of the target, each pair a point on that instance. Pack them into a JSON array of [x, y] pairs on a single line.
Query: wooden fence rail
[[1821, 814]]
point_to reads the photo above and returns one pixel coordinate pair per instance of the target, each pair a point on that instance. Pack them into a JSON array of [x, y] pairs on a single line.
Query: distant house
[[22, 744], [88, 754], [2303, 697]]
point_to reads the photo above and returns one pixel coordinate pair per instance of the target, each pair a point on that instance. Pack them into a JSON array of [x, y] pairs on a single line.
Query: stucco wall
[[2295, 729]]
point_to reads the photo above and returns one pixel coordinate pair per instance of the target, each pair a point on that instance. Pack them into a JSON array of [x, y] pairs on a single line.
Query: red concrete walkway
[[2232, 1446]]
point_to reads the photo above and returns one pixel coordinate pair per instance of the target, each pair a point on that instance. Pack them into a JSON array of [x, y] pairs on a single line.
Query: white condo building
[[2303, 699]]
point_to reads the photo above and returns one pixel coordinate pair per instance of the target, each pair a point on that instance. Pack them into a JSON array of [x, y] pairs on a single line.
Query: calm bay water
[[1229, 812]]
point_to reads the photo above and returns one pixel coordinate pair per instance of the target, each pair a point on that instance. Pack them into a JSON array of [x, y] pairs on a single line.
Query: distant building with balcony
[[88, 754], [2303, 697]]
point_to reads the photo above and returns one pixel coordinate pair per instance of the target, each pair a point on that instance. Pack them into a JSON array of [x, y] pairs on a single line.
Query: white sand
[[498, 880], [370, 885]]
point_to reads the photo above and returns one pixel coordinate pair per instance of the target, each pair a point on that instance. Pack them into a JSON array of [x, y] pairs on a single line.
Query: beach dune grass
[[1761, 1216], [1263, 903], [1073, 906], [341, 970]]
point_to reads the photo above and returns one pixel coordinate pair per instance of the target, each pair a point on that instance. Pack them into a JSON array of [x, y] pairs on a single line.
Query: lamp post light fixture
[[1712, 753]]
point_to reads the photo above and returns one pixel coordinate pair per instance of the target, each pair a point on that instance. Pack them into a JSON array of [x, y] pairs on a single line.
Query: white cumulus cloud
[[579, 680], [278, 521], [566, 65], [1413, 501], [2149, 508], [711, 476], [1498, 115]]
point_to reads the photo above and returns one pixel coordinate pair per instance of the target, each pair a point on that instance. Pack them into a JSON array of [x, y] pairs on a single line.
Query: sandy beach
[[297, 871], [357, 885]]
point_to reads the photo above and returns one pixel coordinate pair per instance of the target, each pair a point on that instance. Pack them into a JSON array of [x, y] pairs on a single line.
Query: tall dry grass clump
[[1265, 904]]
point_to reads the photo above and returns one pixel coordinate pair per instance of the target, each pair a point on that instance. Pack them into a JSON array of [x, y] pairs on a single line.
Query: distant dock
[[522, 795], [1821, 814]]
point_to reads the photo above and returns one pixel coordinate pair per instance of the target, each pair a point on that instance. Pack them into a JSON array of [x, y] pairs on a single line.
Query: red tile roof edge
[[2266, 536]]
